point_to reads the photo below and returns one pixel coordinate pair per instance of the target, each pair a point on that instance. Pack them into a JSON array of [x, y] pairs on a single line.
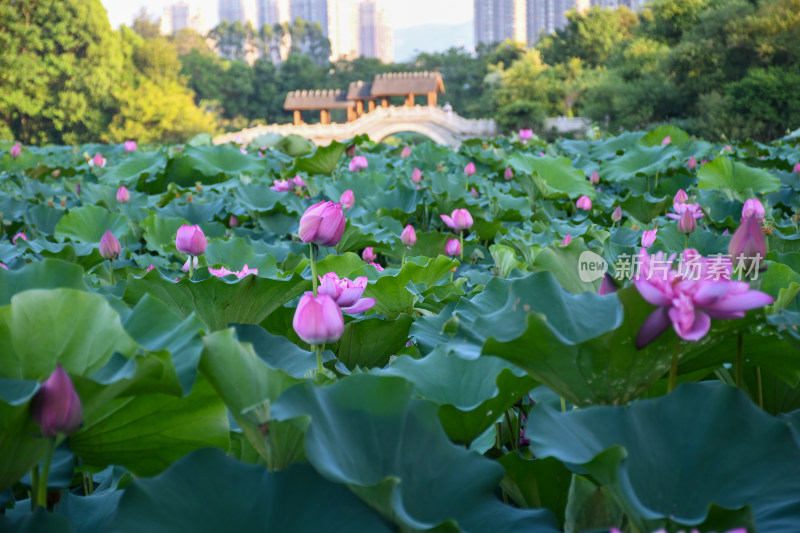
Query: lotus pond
[[507, 337]]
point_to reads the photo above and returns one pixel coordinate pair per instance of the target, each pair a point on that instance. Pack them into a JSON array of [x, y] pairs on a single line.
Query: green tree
[[145, 25]]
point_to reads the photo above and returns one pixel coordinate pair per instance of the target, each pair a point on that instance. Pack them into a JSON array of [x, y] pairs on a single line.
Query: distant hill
[[431, 38]]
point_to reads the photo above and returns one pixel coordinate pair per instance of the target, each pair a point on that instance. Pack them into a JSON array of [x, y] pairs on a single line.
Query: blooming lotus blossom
[[280, 185], [688, 299], [109, 246], [16, 150], [322, 224], [130, 146], [97, 161], [123, 195], [348, 199], [748, 246], [406, 152], [666, 140], [191, 240], [17, 237], [649, 237], [566, 240], [298, 182], [368, 255], [377, 267], [459, 220], [469, 170], [409, 236], [525, 135], [594, 178], [584, 202], [346, 293], [56, 406], [416, 175], [221, 272], [318, 320], [680, 206], [753, 206], [508, 174], [616, 215], [358, 163], [453, 247], [191, 265], [692, 163]]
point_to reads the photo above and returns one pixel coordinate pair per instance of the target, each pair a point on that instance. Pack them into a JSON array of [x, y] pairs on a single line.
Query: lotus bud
[[130, 146], [666, 140], [358, 163], [649, 237], [459, 220], [508, 174], [368, 255], [56, 407], [474, 192], [416, 175], [109, 246], [453, 247], [748, 244], [753, 206], [525, 135], [233, 221], [797, 168], [123, 196], [409, 236], [692, 163], [584, 202], [98, 161], [406, 152], [322, 224], [594, 178], [16, 150], [566, 240], [191, 240], [469, 170], [687, 223], [298, 182], [318, 320], [616, 215], [18, 236], [348, 199], [680, 198]]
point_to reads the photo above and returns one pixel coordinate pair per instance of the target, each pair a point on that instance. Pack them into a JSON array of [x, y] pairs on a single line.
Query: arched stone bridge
[[442, 127]]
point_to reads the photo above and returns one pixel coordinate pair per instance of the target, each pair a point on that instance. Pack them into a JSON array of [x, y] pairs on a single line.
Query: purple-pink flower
[[346, 293], [191, 240], [649, 237], [368, 255], [233, 221], [525, 135], [687, 223], [409, 236], [692, 163], [666, 140], [474, 192], [753, 206], [416, 175], [221, 272], [123, 195], [508, 174], [322, 224], [453, 247], [797, 168], [594, 179], [584, 202], [130, 146], [191, 262], [318, 320], [688, 298], [748, 245], [298, 182], [97, 161], [56, 407], [280, 185], [566, 240], [459, 220], [18, 236], [469, 170], [406, 152], [616, 215], [348, 199], [377, 266], [680, 206], [358, 163], [109, 246], [16, 150]]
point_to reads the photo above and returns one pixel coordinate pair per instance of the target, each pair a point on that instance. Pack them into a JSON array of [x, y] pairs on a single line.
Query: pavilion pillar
[[384, 102], [371, 106], [324, 116], [359, 107], [297, 118], [432, 99], [351, 114], [410, 100]]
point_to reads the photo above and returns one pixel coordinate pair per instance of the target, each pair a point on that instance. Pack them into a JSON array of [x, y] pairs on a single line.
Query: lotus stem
[[320, 368], [563, 405], [739, 360], [41, 489], [461, 248], [191, 267], [111, 271], [314, 279], [760, 388], [34, 487]]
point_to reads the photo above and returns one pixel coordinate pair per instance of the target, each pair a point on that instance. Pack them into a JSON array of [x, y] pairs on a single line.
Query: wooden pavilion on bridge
[[382, 87]]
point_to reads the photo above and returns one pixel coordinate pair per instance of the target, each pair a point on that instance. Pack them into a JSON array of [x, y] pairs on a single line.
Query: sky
[[404, 13]]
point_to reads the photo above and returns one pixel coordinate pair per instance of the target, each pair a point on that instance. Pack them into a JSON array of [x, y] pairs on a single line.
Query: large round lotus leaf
[[207, 492], [368, 432], [674, 456]]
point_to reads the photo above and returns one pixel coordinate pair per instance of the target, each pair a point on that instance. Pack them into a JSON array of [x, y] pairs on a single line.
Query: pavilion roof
[[401, 83], [316, 99]]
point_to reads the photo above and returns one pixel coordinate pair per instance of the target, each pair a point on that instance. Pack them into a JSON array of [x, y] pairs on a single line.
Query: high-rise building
[[547, 16], [310, 11], [343, 28], [375, 37], [498, 20], [242, 10], [180, 16], [271, 12], [633, 5]]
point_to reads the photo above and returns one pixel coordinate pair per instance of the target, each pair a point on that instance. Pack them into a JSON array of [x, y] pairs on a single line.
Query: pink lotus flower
[[689, 299], [222, 272], [406, 152], [130, 146], [368, 255], [280, 185], [358, 163], [680, 206], [109, 246], [616, 215], [453, 247], [748, 245], [753, 206], [346, 293], [123, 196], [474, 192], [666, 140], [797, 168], [525, 135], [649, 237], [3, 266], [508, 174], [348, 199], [322, 224], [584, 202], [17, 237], [409, 236], [594, 178], [469, 170], [687, 223], [459, 220], [728, 148], [97, 161], [318, 320], [298, 182], [416, 175], [608, 286], [191, 240], [692, 163], [680, 198], [566, 240], [243, 150], [191, 261], [377, 267], [56, 406], [16, 150], [151, 267], [233, 221]]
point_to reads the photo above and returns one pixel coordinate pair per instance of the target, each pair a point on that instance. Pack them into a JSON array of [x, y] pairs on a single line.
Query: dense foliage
[[503, 391]]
